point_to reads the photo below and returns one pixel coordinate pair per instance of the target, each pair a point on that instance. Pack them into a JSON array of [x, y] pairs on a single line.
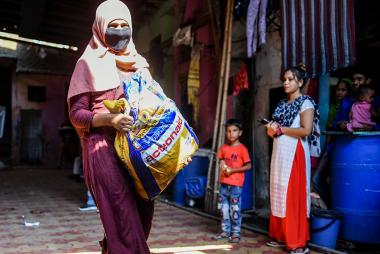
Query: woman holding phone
[[294, 130]]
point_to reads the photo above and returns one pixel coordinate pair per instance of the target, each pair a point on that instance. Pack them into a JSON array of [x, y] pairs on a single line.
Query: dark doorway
[[6, 101], [31, 136]]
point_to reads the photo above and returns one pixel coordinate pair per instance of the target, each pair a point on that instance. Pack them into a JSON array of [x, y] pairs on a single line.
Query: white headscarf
[[97, 68]]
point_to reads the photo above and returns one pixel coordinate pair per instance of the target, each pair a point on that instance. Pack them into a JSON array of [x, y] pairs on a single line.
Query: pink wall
[[53, 112]]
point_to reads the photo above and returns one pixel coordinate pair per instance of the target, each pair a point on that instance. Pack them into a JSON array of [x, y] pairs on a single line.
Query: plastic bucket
[[196, 186], [324, 228], [355, 185], [247, 192], [198, 167]]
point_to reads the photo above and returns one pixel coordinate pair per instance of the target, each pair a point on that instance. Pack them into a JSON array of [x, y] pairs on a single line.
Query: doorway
[[31, 136], [6, 102]]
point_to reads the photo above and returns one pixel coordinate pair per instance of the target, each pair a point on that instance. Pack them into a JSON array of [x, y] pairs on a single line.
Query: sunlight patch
[[191, 249], [16, 37], [12, 45], [81, 252]]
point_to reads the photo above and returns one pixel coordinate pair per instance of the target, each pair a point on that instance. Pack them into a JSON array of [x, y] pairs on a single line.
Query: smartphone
[[264, 121]]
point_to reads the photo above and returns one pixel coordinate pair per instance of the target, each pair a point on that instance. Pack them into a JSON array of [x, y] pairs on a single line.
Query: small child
[[234, 161], [361, 111]]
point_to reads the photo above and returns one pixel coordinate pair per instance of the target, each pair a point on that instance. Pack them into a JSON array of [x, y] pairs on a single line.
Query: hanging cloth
[[256, 25], [320, 34], [193, 82], [241, 80], [313, 88]]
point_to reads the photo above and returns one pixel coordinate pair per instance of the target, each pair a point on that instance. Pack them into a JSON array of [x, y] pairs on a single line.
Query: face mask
[[118, 39]]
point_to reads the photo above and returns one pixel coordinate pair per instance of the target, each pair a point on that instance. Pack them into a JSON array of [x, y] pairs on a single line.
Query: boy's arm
[[222, 164], [247, 166]]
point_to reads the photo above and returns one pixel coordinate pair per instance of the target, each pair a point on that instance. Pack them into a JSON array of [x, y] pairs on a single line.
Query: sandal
[[220, 236], [304, 250], [234, 239], [275, 244]]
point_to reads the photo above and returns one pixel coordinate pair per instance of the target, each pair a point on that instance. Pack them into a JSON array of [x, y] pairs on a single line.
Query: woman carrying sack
[[109, 59]]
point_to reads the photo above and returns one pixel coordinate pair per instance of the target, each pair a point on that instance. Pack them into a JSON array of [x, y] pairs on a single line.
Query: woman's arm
[[83, 118], [306, 117], [306, 127], [119, 121], [79, 113]]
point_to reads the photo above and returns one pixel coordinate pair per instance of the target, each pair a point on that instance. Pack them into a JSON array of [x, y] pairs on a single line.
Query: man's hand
[[342, 125]]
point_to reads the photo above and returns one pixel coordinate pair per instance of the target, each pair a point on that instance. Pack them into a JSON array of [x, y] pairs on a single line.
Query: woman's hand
[[121, 122], [272, 128]]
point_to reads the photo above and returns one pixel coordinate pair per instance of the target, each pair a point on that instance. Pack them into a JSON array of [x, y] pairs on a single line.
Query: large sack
[[161, 140]]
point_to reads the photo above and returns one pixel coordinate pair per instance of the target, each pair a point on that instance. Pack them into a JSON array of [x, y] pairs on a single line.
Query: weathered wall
[[268, 67], [176, 61], [53, 112], [163, 23]]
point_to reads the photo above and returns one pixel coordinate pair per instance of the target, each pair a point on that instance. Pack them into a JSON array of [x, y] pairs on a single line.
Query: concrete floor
[[49, 197]]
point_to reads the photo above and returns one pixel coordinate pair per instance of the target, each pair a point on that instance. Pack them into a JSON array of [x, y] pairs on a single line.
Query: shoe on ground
[[86, 208], [234, 239], [220, 236], [275, 244], [304, 250]]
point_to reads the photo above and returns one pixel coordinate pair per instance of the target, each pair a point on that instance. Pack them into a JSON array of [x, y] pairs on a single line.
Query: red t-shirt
[[234, 157]]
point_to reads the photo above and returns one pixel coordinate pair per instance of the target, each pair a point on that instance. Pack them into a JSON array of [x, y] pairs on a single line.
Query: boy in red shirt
[[233, 162]]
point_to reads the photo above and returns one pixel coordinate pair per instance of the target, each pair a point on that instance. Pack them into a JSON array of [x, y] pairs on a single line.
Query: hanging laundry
[[183, 36], [241, 80], [313, 89], [193, 82], [320, 34], [256, 25]]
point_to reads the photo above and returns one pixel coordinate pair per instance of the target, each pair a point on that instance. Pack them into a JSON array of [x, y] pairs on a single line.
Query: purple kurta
[[126, 218]]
